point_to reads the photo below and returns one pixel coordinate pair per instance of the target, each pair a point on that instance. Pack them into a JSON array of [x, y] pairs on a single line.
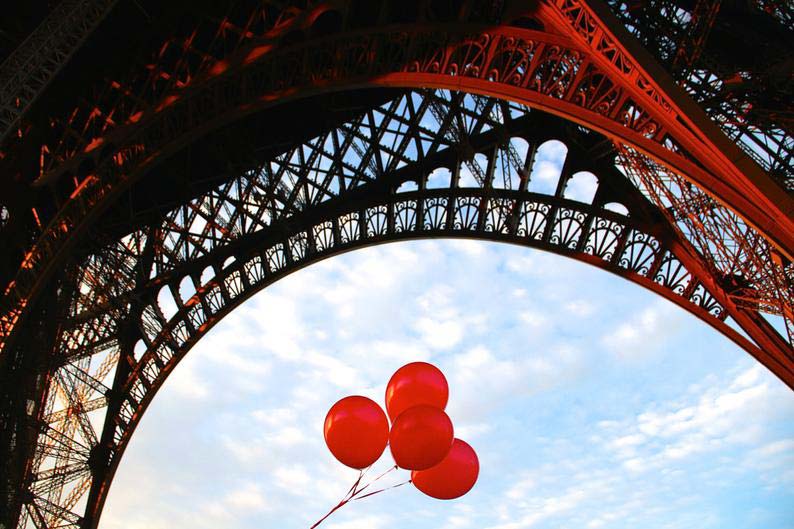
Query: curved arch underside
[[701, 226], [423, 164], [574, 68], [560, 226]]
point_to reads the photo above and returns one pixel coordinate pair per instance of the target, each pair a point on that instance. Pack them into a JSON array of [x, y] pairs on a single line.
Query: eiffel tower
[[161, 162]]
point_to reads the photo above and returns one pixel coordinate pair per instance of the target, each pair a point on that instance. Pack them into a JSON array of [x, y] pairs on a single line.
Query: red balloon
[[414, 384], [356, 431], [453, 477], [420, 437]]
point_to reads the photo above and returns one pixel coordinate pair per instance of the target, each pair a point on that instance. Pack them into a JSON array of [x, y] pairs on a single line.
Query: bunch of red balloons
[[421, 437]]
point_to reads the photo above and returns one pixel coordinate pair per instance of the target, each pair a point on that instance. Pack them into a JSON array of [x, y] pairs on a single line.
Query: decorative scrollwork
[[499, 214], [435, 217], [602, 241], [556, 72], [349, 228], [405, 216], [377, 221], [234, 284], [533, 219], [469, 57], [512, 58], [640, 252], [586, 24], [196, 316], [567, 227], [276, 258], [673, 274], [254, 270], [466, 213], [597, 92], [638, 119], [180, 332], [298, 246], [214, 298], [323, 235], [704, 299]]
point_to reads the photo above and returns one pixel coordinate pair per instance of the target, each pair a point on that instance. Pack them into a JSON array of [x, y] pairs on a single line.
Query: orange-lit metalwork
[[244, 141]]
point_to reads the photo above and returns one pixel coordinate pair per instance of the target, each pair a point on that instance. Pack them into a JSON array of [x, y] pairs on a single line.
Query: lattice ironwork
[[218, 249], [346, 188], [761, 279], [588, 78], [111, 301], [751, 101], [31, 67]]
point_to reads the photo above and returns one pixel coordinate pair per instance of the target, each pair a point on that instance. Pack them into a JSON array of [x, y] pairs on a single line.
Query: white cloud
[[364, 522], [582, 187], [486, 382], [462, 518], [713, 418], [644, 334], [580, 307], [547, 172], [541, 507], [440, 333], [521, 488], [566, 436], [522, 264], [248, 497], [469, 247], [775, 448], [295, 479], [535, 319], [187, 383], [631, 464]]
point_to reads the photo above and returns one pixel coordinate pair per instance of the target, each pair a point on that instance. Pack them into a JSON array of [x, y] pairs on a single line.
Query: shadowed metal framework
[[263, 138]]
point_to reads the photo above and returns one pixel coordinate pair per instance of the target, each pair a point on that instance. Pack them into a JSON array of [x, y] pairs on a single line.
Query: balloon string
[[392, 469], [353, 493], [355, 483], [356, 498], [350, 494], [321, 520]]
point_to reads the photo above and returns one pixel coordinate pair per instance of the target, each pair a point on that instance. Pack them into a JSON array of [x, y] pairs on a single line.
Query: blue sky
[[591, 402]]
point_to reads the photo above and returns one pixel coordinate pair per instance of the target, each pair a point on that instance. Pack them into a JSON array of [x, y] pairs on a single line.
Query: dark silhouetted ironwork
[[155, 184]]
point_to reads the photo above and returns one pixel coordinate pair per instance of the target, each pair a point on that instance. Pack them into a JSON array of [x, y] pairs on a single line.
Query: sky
[[591, 402]]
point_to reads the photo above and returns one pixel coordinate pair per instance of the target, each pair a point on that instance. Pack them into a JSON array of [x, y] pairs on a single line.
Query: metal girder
[[734, 95], [143, 300], [755, 277], [586, 77], [29, 69], [706, 228]]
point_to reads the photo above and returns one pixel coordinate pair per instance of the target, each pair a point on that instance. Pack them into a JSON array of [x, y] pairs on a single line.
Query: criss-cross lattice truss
[[740, 78], [756, 275], [398, 171], [248, 143], [27, 71]]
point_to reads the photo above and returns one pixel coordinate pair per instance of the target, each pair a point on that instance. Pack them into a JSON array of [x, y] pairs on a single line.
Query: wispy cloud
[[590, 402]]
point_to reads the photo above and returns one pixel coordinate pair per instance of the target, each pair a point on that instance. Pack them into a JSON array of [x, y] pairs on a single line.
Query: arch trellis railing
[[361, 183], [81, 326], [575, 68]]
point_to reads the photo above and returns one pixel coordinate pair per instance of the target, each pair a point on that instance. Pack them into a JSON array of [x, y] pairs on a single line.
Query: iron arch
[[597, 237], [335, 192], [573, 67], [93, 276]]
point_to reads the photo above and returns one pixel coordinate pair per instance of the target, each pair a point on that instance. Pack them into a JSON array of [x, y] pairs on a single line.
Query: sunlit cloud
[[590, 402]]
